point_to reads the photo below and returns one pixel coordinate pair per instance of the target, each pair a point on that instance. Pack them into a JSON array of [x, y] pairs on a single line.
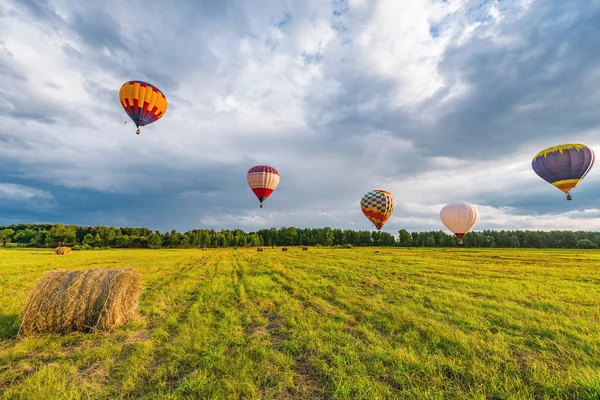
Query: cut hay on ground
[[85, 300], [61, 251]]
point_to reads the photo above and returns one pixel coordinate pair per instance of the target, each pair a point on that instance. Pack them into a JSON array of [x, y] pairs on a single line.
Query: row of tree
[[46, 235]]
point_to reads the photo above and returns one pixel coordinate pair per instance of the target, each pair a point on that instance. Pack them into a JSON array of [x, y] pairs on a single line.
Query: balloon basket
[[261, 206]]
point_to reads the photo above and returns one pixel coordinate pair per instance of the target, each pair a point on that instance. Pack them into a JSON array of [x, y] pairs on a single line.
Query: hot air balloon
[[459, 218], [378, 206], [564, 166], [262, 180], [143, 102]]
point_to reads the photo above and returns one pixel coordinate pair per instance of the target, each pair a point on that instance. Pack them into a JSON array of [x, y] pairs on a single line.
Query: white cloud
[[504, 218], [11, 191]]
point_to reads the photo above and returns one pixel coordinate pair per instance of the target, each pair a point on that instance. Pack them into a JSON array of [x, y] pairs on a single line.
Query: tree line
[[88, 237]]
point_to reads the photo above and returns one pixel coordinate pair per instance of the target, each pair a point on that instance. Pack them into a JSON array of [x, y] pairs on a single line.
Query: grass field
[[327, 323]]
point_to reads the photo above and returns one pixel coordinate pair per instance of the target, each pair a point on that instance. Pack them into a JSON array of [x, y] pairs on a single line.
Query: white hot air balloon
[[459, 218]]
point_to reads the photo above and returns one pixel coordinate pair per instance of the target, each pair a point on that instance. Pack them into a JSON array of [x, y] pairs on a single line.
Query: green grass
[[327, 323]]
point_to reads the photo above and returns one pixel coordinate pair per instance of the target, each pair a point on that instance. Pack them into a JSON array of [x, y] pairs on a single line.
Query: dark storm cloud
[[198, 195], [546, 199], [20, 202], [98, 29]]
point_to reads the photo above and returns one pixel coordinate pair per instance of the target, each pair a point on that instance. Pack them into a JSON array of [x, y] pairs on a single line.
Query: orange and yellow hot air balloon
[[378, 206], [143, 102]]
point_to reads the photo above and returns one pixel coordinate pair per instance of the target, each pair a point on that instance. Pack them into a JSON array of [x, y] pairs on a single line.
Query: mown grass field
[[327, 323]]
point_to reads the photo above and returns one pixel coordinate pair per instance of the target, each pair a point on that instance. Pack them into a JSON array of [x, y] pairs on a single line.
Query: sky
[[435, 101]]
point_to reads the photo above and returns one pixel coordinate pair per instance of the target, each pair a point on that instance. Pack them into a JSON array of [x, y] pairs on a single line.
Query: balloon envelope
[[263, 180], [564, 166], [459, 218], [143, 102], [378, 206]]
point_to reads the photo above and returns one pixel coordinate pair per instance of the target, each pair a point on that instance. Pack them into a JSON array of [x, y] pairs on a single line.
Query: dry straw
[[84, 300], [61, 251]]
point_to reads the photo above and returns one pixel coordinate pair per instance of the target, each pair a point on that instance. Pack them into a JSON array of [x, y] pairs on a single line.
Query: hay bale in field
[[61, 251], [84, 300], [259, 249], [284, 249], [305, 248]]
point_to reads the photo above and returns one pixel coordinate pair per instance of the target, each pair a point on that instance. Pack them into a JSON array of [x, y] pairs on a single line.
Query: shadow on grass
[[9, 326]]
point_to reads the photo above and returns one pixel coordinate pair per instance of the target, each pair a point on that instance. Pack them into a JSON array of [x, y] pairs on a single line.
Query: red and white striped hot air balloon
[[262, 179], [459, 218]]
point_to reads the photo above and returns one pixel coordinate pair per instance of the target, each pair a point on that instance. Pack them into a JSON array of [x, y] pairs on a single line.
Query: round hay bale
[[305, 248], [284, 249], [84, 300], [259, 249], [61, 251]]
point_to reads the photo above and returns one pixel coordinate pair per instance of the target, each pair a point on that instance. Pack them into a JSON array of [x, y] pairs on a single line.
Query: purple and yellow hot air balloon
[[564, 166], [143, 102]]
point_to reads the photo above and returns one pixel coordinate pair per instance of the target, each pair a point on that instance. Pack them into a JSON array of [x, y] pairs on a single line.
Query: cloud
[[99, 30], [39, 9], [434, 101], [21, 203], [18, 192]]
